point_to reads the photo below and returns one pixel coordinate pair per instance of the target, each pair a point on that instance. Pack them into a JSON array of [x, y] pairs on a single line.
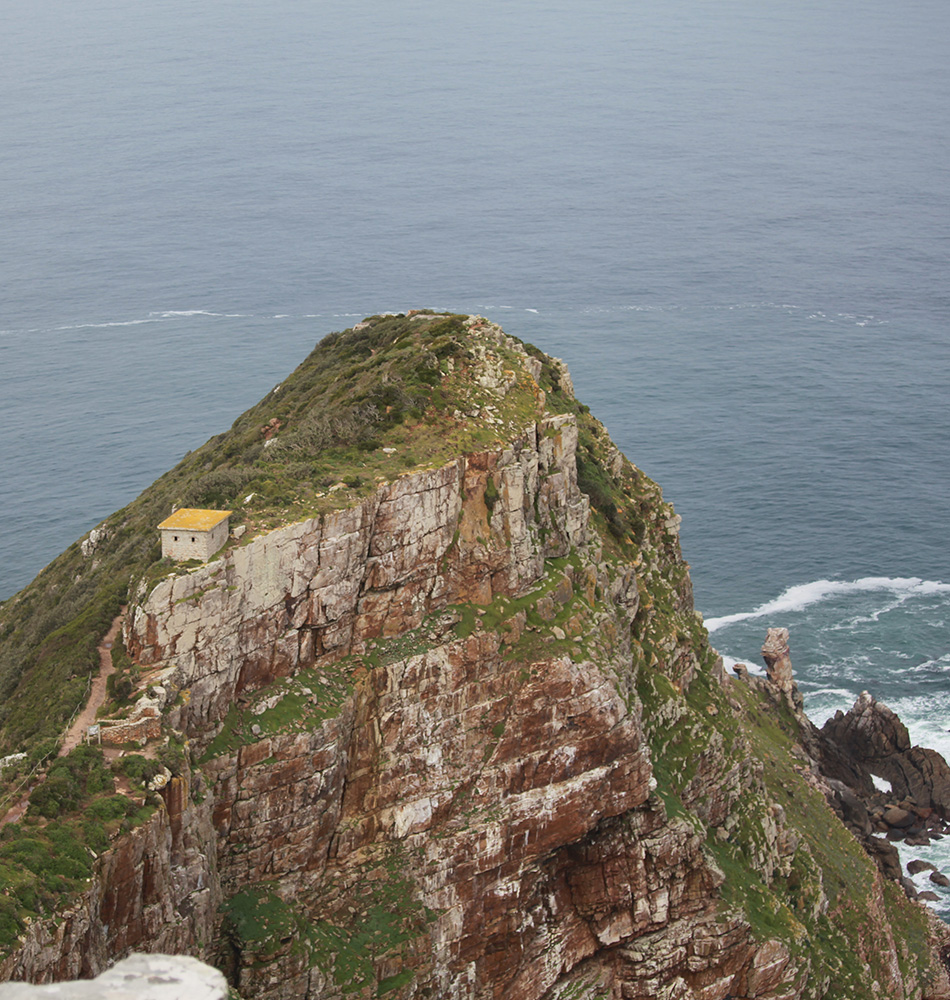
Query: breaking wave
[[803, 595]]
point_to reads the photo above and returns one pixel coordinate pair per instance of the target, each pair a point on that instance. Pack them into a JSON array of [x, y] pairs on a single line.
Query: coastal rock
[[91, 542], [870, 737], [898, 817], [778, 663]]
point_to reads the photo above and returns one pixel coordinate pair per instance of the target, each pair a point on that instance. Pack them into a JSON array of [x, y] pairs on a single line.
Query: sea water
[[731, 220]]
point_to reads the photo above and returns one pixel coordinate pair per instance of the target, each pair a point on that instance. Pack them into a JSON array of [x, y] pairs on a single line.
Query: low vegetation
[[49, 856], [379, 918], [366, 406]]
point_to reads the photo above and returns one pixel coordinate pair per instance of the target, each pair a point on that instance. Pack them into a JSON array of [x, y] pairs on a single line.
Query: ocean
[[731, 221]]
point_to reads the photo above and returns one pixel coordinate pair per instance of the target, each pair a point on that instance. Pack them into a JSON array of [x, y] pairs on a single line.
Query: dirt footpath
[[97, 696]]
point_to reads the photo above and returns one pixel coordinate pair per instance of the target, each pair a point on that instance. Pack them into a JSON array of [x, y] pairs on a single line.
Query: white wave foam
[[103, 326], [938, 665], [802, 595], [829, 693], [172, 313]]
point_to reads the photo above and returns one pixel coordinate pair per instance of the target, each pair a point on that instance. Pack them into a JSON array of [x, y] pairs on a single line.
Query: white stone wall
[[181, 544]]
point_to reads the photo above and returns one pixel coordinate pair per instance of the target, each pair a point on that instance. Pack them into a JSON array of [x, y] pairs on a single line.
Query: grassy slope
[[395, 383]]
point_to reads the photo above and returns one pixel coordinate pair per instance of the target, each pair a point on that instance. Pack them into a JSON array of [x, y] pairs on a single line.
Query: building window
[[192, 537], [176, 538]]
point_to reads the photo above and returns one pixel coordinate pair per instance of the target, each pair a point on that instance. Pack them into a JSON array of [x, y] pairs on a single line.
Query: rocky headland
[[441, 721]]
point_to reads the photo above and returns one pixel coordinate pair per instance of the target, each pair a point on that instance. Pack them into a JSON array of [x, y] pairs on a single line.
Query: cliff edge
[[440, 721]]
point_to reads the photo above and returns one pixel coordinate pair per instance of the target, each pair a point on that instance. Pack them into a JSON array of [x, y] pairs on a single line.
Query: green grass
[[48, 857], [400, 382], [379, 918], [304, 702]]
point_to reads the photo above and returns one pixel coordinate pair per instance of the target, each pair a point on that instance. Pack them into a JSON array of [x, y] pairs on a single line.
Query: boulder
[[138, 977], [897, 817]]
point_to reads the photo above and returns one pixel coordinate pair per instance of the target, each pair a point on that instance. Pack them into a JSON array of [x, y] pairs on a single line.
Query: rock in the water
[[938, 878], [871, 736], [917, 866], [898, 817]]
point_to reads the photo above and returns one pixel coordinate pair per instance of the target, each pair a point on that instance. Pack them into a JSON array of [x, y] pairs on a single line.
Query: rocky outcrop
[[846, 754], [157, 889], [873, 737], [323, 587], [466, 739]]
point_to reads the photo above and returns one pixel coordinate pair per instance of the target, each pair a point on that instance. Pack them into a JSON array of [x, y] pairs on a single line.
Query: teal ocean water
[[731, 220]]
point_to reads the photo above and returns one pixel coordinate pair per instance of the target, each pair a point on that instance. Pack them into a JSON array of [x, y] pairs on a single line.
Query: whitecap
[[802, 595], [814, 691], [938, 665], [172, 313], [103, 326]]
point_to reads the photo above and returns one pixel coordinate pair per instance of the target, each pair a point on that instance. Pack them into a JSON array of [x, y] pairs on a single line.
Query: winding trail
[[97, 696]]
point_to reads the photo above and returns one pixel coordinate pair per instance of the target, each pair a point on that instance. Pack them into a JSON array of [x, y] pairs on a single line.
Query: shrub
[[138, 769], [112, 807]]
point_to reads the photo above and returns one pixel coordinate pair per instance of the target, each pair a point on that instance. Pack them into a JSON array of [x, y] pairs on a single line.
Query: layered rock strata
[[466, 739]]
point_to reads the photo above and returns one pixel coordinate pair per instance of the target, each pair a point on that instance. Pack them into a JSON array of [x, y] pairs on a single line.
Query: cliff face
[[465, 738]]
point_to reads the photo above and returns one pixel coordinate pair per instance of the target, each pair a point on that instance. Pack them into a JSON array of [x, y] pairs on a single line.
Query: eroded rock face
[[157, 889], [314, 589], [872, 735], [501, 774], [427, 735]]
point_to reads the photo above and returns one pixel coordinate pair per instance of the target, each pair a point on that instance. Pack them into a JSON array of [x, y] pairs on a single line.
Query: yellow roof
[[190, 519]]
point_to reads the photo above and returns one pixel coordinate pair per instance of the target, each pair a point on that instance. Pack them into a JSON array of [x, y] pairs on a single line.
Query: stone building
[[194, 534]]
